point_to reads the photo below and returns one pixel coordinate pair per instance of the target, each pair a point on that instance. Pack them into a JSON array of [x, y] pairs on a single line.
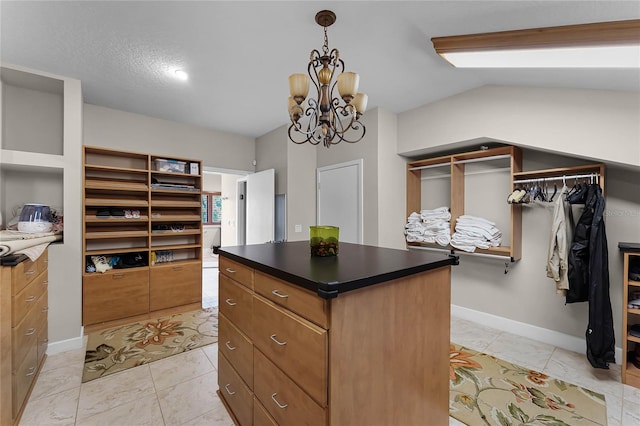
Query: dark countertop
[[356, 265]]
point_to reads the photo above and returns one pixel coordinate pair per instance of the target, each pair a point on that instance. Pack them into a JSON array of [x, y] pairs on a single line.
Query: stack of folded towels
[[429, 226], [475, 232]]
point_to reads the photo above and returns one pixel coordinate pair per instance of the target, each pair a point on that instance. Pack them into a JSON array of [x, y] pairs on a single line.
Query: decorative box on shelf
[[173, 166]]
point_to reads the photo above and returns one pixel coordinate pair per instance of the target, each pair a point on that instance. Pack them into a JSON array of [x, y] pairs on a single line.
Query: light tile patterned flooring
[[180, 390]]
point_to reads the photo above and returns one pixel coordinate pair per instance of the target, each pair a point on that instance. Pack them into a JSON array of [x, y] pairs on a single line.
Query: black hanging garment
[[589, 278]]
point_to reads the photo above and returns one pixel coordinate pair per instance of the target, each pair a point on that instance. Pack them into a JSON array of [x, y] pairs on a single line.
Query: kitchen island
[[361, 338]]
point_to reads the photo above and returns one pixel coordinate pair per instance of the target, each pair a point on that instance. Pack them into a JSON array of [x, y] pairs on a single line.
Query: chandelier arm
[[293, 131]]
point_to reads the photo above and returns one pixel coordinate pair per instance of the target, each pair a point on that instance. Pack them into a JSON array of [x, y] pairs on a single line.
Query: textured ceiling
[[239, 53]]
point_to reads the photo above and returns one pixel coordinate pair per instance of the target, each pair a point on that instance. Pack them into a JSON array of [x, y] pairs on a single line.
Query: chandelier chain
[[325, 47]]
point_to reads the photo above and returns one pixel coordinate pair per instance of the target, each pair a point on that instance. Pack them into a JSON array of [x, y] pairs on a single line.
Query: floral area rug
[[489, 391], [131, 345]]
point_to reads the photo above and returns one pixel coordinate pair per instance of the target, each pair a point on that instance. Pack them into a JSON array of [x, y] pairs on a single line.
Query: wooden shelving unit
[[456, 163], [121, 180], [630, 316]]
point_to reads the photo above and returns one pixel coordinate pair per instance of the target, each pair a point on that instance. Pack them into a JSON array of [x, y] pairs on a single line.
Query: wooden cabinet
[[631, 316], [454, 169], [23, 332], [370, 356], [142, 217]]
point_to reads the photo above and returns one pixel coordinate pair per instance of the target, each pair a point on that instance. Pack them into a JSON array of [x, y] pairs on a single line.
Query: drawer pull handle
[[231, 348], [45, 282], [273, 337], [31, 372], [30, 272], [30, 299], [178, 268], [45, 309], [277, 403], [226, 387], [45, 340], [117, 276], [230, 302], [229, 270], [277, 293], [30, 331]]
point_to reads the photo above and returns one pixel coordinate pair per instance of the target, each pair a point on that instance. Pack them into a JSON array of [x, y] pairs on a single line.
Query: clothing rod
[[562, 178], [475, 160], [431, 166]]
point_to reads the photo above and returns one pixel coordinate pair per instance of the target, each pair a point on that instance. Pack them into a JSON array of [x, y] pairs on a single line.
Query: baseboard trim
[[66, 345], [551, 337]]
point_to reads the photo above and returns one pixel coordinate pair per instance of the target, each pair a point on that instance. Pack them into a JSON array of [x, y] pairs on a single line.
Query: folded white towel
[[443, 239]]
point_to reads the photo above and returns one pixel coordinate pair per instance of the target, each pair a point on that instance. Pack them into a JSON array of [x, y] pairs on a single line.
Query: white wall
[[301, 189], [599, 126], [115, 129], [367, 149], [594, 124], [271, 152]]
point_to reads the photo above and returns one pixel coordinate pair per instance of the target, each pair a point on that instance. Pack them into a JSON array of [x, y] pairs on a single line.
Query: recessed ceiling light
[[181, 75]]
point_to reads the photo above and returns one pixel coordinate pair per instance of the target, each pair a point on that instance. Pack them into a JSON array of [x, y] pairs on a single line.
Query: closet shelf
[[115, 185], [113, 219], [496, 251], [633, 338], [114, 271], [634, 283], [175, 247], [115, 202], [175, 203], [99, 168], [176, 218], [97, 252], [171, 233], [633, 311], [114, 234], [176, 263]]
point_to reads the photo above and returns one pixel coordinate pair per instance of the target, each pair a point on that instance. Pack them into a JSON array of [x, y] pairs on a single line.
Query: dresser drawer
[[284, 400], [175, 285], [260, 415], [23, 376], [236, 271], [237, 395], [24, 272], [236, 303], [25, 334], [27, 298], [301, 301], [294, 344], [115, 294], [237, 348]]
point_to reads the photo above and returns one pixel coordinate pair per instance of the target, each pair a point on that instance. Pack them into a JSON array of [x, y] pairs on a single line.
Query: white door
[[340, 199], [260, 207]]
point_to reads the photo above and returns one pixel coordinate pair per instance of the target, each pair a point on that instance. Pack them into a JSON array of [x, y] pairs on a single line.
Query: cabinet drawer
[[25, 272], [236, 303], [114, 295], [294, 344], [25, 334], [260, 415], [175, 285], [284, 400], [237, 348], [237, 395], [23, 378], [28, 297], [237, 271], [297, 299]]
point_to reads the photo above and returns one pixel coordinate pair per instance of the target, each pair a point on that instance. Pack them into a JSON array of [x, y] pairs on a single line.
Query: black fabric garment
[[589, 273]]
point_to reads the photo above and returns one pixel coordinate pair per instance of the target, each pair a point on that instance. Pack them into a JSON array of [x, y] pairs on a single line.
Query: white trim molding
[[551, 337], [66, 345]]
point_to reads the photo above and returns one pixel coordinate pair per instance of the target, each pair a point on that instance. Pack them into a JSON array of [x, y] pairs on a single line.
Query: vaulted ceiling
[[239, 53]]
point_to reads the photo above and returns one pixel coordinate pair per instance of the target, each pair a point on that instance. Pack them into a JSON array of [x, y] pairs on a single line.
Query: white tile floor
[[180, 390]]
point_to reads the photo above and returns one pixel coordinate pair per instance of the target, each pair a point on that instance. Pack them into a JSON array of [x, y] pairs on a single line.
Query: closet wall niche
[[473, 183]]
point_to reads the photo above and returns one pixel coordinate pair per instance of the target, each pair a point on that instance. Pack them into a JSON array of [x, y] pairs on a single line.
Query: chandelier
[[327, 118]]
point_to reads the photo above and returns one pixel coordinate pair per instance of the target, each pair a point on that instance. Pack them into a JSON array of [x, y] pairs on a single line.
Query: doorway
[[340, 199]]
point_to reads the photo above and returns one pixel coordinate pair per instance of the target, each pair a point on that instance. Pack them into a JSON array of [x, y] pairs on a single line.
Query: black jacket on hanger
[[589, 278]]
